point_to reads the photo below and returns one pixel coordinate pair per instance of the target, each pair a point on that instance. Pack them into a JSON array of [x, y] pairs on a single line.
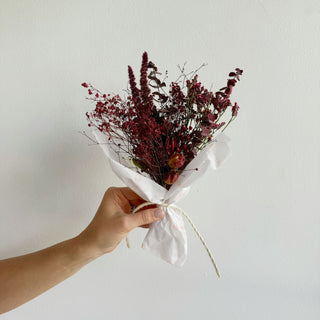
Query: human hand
[[113, 220]]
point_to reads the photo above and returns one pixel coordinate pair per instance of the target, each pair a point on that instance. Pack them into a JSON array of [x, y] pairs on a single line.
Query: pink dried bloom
[[235, 110]]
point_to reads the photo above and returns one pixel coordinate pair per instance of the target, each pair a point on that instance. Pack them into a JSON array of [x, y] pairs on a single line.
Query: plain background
[[259, 213]]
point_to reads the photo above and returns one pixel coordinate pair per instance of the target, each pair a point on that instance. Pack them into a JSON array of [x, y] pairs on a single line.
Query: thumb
[[143, 217]]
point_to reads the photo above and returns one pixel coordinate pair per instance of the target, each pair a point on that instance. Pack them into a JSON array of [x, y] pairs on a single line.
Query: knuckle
[[109, 191], [124, 223], [145, 216]]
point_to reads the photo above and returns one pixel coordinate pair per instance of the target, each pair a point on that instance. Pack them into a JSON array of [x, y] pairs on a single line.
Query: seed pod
[[176, 161], [171, 177]]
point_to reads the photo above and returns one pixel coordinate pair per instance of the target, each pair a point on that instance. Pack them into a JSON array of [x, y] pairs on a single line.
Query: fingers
[[122, 198], [130, 195], [145, 207], [144, 217], [126, 198]]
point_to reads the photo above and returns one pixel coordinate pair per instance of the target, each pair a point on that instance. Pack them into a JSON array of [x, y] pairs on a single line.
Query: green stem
[[227, 124], [221, 114]]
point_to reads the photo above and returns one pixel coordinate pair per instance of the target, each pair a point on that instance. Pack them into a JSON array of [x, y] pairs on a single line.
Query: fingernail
[[158, 213]]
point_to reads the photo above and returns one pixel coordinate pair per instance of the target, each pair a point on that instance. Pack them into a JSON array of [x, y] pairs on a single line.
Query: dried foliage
[[160, 131]]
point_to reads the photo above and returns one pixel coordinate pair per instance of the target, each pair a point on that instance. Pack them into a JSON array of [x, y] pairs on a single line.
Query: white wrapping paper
[[167, 237]]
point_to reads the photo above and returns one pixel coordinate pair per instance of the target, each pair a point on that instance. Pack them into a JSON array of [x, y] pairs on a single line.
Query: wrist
[[84, 249]]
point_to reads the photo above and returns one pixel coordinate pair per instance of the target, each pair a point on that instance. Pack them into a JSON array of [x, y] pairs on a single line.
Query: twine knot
[[167, 205]]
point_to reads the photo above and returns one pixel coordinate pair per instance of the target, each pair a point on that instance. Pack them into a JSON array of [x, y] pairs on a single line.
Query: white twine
[[191, 223]]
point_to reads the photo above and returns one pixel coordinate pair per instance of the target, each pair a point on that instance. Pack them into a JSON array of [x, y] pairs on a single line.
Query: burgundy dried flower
[[162, 132], [171, 145], [235, 110], [171, 177], [134, 89], [176, 161]]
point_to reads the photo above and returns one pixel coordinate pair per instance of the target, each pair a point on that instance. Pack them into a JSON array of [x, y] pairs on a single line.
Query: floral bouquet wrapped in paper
[[158, 143]]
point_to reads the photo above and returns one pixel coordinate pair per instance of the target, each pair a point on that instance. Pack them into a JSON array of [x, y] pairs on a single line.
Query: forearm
[[25, 277]]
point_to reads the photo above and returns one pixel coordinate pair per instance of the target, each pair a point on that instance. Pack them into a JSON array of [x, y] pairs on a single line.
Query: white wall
[[259, 213]]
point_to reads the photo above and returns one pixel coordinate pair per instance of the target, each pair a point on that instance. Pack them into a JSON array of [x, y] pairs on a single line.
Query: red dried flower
[[153, 127], [171, 144], [176, 161], [171, 177]]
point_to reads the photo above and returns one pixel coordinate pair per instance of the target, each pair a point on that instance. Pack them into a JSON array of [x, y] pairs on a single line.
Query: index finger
[[131, 197]]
